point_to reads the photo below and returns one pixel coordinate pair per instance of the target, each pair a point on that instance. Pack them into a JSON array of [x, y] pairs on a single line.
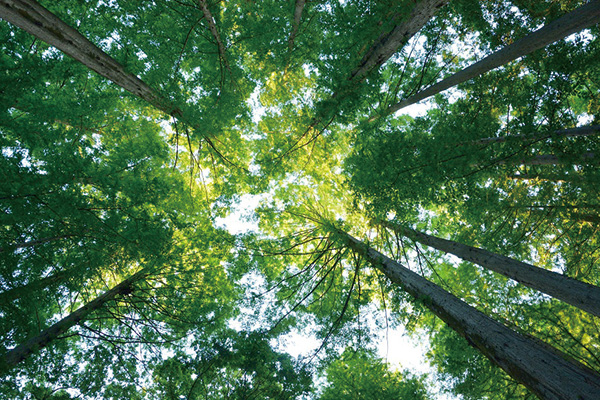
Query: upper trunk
[[572, 132], [38, 21], [212, 27], [579, 19], [389, 43], [539, 367], [569, 290], [296, 23], [21, 352]]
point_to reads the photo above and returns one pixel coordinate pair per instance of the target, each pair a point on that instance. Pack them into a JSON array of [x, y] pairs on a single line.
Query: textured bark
[[41, 23], [569, 290], [212, 27], [551, 159], [298, 8], [389, 43], [573, 132], [581, 18], [32, 243], [38, 342], [8, 296], [538, 366]]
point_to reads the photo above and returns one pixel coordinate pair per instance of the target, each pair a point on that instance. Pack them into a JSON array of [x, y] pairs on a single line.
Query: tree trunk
[[298, 8], [551, 159], [7, 296], [212, 27], [21, 352], [41, 23], [581, 18], [539, 367], [390, 42], [32, 243], [579, 294], [573, 132]]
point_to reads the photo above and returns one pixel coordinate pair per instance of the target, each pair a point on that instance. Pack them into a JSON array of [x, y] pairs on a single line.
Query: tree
[[575, 21], [579, 294], [204, 106], [521, 358]]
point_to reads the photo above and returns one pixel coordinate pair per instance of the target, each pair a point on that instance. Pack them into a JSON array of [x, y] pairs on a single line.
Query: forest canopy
[[429, 165]]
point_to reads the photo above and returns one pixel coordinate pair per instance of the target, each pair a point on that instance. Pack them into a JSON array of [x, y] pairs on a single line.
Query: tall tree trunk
[[569, 290], [7, 296], [212, 27], [32, 243], [298, 8], [539, 367], [389, 43], [551, 159], [581, 18], [573, 132], [36, 343], [41, 23]]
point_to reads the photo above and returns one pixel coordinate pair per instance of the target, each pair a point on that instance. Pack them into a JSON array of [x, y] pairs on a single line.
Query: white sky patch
[[258, 111], [416, 110], [242, 218]]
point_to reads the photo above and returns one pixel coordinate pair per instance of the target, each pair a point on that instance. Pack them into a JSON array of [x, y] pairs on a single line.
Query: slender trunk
[[36, 343], [551, 159], [41, 23], [386, 45], [581, 18], [573, 132], [212, 27], [33, 287], [539, 367], [389, 43], [569, 290], [32, 243], [298, 8]]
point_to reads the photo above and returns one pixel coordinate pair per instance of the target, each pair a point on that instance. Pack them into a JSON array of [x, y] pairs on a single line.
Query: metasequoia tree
[[537, 366], [298, 8], [35, 19], [47, 336], [584, 17], [95, 185], [569, 290]]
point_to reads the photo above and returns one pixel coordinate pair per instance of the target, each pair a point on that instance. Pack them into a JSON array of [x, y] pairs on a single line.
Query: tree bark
[[35, 242], [389, 43], [30, 288], [551, 159], [573, 132], [577, 293], [539, 367], [13, 357], [298, 8], [212, 27], [581, 18], [41, 23]]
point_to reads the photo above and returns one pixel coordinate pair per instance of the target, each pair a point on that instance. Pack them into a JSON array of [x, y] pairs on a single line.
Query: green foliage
[[96, 185], [359, 374]]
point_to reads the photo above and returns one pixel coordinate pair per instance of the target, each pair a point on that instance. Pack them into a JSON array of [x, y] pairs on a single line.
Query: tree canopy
[[131, 132]]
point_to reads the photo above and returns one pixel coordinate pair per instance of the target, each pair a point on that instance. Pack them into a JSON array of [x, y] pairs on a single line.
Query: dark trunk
[[41, 23], [390, 42], [569, 290], [299, 7], [539, 367], [581, 18], [44, 338]]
